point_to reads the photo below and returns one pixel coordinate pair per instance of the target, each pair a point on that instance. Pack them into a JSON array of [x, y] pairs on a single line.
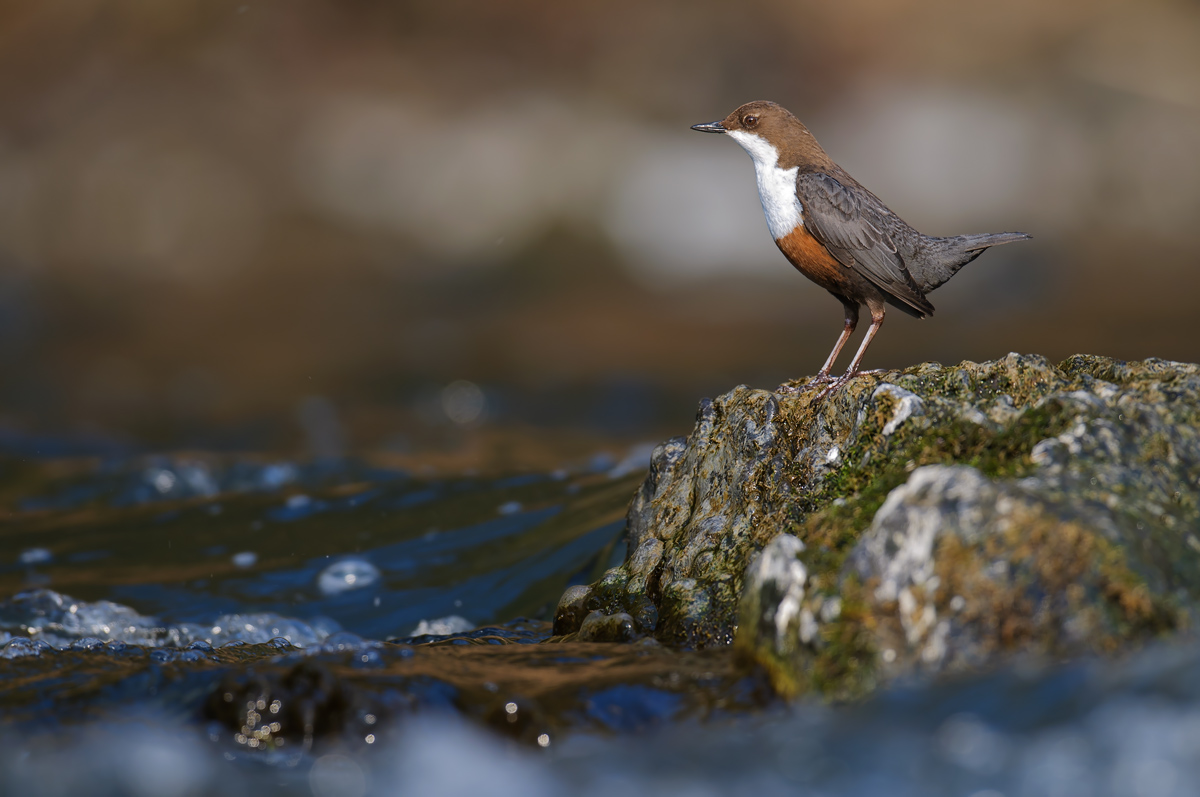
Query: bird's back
[[929, 260]]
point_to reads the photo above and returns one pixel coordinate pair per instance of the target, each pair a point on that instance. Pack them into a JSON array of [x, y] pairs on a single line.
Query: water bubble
[[196, 478], [276, 475], [463, 402], [347, 574], [35, 556], [296, 507], [509, 508], [163, 480], [245, 559]]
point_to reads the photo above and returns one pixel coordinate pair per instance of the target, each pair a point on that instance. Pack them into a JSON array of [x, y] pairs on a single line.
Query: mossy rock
[[932, 519]]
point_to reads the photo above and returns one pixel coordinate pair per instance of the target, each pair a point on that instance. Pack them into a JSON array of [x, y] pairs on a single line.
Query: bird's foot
[[788, 388], [837, 384]]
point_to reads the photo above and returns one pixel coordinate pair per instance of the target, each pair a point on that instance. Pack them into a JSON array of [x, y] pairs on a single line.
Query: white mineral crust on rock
[[779, 567], [898, 547], [908, 404]]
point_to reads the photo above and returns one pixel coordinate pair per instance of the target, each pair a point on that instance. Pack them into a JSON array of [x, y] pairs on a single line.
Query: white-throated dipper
[[839, 234]]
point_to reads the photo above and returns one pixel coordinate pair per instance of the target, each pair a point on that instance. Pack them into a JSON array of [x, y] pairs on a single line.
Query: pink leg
[[823, 375], [876, 322], [847, 331]]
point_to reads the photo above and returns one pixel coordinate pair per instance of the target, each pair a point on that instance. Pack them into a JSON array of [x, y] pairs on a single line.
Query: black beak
[[711, 127]]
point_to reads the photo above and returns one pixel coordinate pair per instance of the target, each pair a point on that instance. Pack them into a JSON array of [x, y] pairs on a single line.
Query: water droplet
[[347, 574]]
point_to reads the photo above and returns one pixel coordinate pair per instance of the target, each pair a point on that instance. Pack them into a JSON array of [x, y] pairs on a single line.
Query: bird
[[840, 235]]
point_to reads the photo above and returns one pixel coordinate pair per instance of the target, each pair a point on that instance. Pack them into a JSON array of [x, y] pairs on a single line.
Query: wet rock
[[928, 520], [598, 627], [306, 703], [572, 609], [773, 604]]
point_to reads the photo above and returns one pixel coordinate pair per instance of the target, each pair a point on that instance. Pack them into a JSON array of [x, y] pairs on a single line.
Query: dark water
[[200, 626]]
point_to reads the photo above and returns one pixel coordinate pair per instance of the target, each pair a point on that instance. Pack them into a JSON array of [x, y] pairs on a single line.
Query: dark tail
[[948, 255], [977, 243]]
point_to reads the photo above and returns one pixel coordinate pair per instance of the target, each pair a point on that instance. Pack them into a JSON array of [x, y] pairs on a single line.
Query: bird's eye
[[750, 121]]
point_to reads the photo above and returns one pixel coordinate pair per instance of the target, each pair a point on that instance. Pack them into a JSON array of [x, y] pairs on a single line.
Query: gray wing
[[855, 227]]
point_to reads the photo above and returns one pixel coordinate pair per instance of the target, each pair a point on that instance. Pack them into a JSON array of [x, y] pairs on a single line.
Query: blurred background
[[438, 228]]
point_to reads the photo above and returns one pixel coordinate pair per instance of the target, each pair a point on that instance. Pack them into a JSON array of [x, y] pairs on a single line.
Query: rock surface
[[928, 520]]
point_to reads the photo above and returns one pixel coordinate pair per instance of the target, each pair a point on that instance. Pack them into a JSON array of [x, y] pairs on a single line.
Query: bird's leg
[[876, 323], [823, 375], [847, 331], [877, 314]]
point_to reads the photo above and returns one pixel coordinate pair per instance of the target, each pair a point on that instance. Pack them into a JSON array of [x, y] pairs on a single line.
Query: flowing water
[[198, 625]]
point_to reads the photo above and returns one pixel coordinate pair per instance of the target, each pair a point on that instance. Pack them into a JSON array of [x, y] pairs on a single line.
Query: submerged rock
[[307, 701], [927, 520]]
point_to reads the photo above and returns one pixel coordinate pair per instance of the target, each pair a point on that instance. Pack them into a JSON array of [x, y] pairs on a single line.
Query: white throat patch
[[776, 186]]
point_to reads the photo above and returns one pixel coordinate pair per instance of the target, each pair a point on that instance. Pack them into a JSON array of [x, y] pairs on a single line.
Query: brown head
[[764, 121]]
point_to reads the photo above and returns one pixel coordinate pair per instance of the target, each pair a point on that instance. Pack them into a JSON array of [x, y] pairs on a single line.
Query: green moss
[[1024, 379], [845, 667], [831, 518], [1157, 448], [1059, 575], [1134, 608], [1078, 365]]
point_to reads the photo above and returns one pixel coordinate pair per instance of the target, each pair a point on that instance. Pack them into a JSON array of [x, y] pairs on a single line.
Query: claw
[[832, 388], [844, 379], [790, 389], [838, 384]]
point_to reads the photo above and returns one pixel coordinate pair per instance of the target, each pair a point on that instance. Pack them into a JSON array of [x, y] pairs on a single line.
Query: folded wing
[[853, 225]]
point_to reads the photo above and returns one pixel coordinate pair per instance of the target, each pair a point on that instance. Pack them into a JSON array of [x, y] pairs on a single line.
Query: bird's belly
[[813, 260]]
